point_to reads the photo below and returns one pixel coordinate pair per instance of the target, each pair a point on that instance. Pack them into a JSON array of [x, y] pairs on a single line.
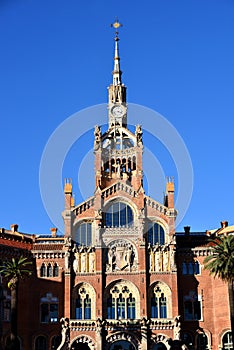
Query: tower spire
[[116, 72], [117, 90]]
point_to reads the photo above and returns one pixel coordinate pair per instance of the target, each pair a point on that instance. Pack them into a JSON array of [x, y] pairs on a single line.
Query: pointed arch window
[[118, 214], [156, 234]]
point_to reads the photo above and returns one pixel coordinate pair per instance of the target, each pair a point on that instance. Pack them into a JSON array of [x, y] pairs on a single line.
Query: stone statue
[[97, 136], [165, 260], [110, 258], [83, 262], [76, 263], [92, 261], [157, 261], [67, 260], [138, 134]]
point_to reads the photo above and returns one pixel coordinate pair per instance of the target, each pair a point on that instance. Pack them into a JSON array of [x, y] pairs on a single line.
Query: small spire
[[116, 72]]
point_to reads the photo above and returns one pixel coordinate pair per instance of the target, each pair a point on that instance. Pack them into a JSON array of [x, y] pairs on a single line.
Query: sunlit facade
[[120, 278]]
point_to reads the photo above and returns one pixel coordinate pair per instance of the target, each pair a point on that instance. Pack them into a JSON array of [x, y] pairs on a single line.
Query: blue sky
[[177, 58]]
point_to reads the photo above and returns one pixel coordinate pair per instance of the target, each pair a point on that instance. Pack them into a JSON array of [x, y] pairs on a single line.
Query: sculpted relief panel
[[121, 256], [85, 260], [161, 258]]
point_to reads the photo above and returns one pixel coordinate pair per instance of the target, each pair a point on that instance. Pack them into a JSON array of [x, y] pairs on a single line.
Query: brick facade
[[120, 277]]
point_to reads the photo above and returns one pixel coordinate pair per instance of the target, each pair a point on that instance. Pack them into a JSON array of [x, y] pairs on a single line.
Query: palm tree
[[15, 270], [221, 264]]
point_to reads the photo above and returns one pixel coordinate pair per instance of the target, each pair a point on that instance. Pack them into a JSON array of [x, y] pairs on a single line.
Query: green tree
[[14, 270], [221, 264]]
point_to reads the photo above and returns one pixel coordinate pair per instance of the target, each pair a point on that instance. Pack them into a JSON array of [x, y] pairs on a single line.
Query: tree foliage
[[221, 261], [15, 268]]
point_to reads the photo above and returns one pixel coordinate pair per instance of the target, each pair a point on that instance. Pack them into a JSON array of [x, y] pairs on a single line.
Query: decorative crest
[[116, 25]]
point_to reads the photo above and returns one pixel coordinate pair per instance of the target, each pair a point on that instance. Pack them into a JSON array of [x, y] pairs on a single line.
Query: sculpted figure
[[83, 262], [91, 262]]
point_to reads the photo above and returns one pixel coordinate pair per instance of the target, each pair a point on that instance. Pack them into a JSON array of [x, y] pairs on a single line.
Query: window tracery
[[84, 300], [160, 301], [118, 214], [122, 301], [227, 341]]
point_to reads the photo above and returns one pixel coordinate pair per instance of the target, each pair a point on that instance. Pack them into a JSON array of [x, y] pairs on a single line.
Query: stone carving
[[97, 137], [177, 327], [138, 134], [161, 258], [65, 332], [85, 259], [121, 256]]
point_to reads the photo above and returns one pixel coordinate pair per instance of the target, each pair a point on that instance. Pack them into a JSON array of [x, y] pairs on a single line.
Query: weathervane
[[116, 25]]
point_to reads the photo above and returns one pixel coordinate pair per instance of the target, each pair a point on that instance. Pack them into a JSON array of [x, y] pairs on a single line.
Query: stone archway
[[83, 343], [122, 341]]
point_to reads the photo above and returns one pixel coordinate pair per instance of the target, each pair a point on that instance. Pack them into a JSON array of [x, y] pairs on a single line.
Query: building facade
[[121, 277]]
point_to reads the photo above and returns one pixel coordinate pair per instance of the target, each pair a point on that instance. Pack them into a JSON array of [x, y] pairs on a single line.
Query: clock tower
[[118, 152], [117, 91]]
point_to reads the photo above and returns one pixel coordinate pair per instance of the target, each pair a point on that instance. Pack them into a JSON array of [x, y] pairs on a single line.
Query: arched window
[[159, 306], [119, 214], [202, 341], [160, 299], [156, 234], [56, 270], [41, 343], [83, 305], [84, 234], [49, 270], [43, 270], [121, 303], [227, 342]]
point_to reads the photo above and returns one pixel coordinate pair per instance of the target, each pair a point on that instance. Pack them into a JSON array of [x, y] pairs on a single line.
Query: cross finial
[[116, 25]]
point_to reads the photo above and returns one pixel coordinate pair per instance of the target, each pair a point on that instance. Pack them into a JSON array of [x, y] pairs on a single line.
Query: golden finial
[[116, 25]]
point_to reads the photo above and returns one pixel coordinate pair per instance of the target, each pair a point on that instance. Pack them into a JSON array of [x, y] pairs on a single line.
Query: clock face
[[117, 111]]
